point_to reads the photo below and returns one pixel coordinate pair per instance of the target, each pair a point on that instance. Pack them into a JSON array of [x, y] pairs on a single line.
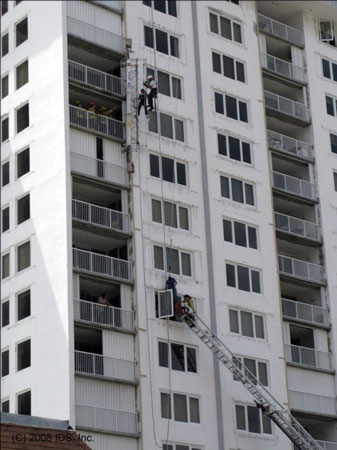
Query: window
[[178, 357], [232, 108], [256, 367], [250, 419], [179, 447], [228, 28], [5, 173], [167, 84], [331, 105], [4, 86], [169, 169], [4, 44], [228, 67], [23, 209], [21, 31], [329, 69], [326, 31], [164, 43], [22, 163], [24, 403], [335, 180], [23, 256], [184, 407], [166, 7], [236, 2], [234, 148], [23, 305], [237, 190], [4, 363], [5, 219], [4, 130], [240, 233], [21, 74], [5, 406], [176, 261], [174, 215], [246, 324], [4, 7], [5, 313], [22, 118], [5, 266], [243, 278], [170, 127], [23, 352]]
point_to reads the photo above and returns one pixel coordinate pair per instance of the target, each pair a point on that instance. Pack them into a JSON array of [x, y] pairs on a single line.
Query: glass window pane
[[186, 264], [216, 60], [24, 403], [243, 112], [335, 180], [4, 86], [163, 354], [179, 130], [246, 157], [5, 314], [164, 83], [160, 5], [254, 425], [22, 118], [5, 363], [166, 128], [154, 166], [5, 406], [194, 410], [334, 71], [329, 106], [326, 31], [21, 32], [172, 7], [213, 22], [266, 424], [4, 131], [326, 68], [191, 359], [224, 184], [231, 107], [22, 74], [5, 266], [170, 214], [172, 260], [256, 287], [181, 174], [153, 124], [252, 237], [183, 218], [234, 321], [23, 209], [237, 190], [227, 230], [222, 145], [249, 193], [237, 33], [4, 7], [174, 43], [156, 211], [23, 256], [23, 163], [219, 108], [176, 87], [240, 71], [183, 447], [234, 148], [23, 305], [240, 234], [158, 257], [148, 37], [180, 407], [243, 278], [5, 219], [263, 374], [240, 417], [247, 324], [168, 169], [225, 26], [230, 275], [177, 357], [4, 44], [228, 65], [259, 329], [333, 141], [23, 352], [165, 405], [251, 366]]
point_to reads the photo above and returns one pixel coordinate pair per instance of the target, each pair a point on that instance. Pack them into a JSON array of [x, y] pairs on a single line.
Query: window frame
[[232, 22], [247, 226], [5, 300], [171, 406], [169, 356], [241, 358], [3, 118], [17, 394], [16, 117], [2, 36], [166, 8], [331, 29], [171, 76], [177, 207], [173, 118], [164, 253], [20, 342], [241, 144], [16, 33], [16, 75], [17, 294], [17, 200], [246, 430], [176, 161], [5, 350], [17, 271], [17, 155], [7, 206], [2, 7], [5, 400], [5, 75], [254, 314], [238, 101], [244, 184], [3, 254], [235, 60], [334, 105], [169, 35], [250, 271]]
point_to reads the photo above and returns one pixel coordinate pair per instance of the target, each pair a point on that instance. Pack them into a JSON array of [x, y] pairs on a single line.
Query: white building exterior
[[231, 189]]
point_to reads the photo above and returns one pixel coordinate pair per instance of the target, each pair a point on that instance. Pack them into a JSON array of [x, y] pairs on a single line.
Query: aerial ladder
[[263, 398]]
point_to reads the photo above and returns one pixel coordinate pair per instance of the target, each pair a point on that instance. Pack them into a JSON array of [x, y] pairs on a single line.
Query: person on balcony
[[152, 85], [103, 300], [142, 99], [103, 315], [79, 113], [92, 114]]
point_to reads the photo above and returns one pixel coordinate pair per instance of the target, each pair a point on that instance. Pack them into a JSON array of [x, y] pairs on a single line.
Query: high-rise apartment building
[[229, 186]]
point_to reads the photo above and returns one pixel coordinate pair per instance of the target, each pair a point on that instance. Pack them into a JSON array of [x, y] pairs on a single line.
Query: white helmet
[[150, 77]]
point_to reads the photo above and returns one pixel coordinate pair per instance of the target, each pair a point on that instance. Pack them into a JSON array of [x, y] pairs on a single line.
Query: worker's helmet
[[78, 102], [103, 108], [92, 103], [150, 77]]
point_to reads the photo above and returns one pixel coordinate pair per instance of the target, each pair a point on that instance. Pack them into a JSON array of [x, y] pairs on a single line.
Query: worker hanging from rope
[[152, 85], [142, 101], [171, 284]]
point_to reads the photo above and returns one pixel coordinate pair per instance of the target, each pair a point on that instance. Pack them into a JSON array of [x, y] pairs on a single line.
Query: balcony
[[297, 227], [105, 366], [96, 79], [290, 146], [95, 35], [301, 270], [286, 106], [96, 122], [315, 315], [312, 403], [91, 417], [96, 314], [305, 356], [99, 169], [283, 68], [101, 217], [280, 30], [106, 266], [327, 445], [294, 186]]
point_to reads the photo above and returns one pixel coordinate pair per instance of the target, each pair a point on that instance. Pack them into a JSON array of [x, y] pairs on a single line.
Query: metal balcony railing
[[280, 30], [282, 67], [96, 35], [286, 106], [289, 145], [308, 357], [103, 315], [102, 217], [294, 185], [312, 403], [96, 78], [96, 122], [91, 363], [102, 265], [106, 419], [327, 445], [303, 311], [301, 269], [297, 227], [99, 169]]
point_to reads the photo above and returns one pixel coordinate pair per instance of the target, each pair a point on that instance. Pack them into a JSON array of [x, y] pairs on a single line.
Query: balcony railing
[[289, 145], [282, 67], [308, 357], [106, 419], [294, 185], [302, 311], [301, 269], [102, 217], [102, 265], [327, 445], [297, 227], [99, 169], [96, 122], [96, 35], [312, 403], [103, 315], [96, 78], [105, 366], [279, 29], [286, 106]]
